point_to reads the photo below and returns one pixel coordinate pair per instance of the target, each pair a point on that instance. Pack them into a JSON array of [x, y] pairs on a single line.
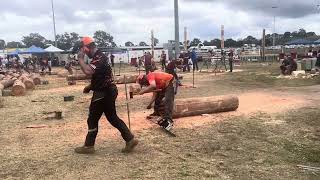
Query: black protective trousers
[[106, 106], [168, 96]]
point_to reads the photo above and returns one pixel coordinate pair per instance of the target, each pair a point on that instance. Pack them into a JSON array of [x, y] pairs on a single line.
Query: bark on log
[[36, 79], [76, 77], [7, 83], [27, 82], [18, 89], [129, 79], [1, 102], [2, 76], [206, 105]]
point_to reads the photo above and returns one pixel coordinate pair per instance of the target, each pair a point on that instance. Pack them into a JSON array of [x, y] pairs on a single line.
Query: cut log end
[[18, 89]]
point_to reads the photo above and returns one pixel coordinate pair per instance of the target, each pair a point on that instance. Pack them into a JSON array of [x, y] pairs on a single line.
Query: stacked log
[[36, 79], [27, 82], [7, 83], [18, 88]]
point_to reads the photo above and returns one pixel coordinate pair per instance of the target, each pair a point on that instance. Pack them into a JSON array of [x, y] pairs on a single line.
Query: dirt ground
[[275, 129]]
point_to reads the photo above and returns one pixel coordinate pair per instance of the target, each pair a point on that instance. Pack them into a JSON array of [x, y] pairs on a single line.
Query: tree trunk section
[[129, 79], [205, 105], [7, 83], [36, 79], [77, 77], [27, 82], [18, 89]]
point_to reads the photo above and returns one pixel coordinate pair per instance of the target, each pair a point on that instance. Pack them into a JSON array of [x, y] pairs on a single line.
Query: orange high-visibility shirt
[[162, 79]]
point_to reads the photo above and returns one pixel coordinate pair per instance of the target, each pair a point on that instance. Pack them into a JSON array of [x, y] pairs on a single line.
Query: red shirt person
[[162, 84]]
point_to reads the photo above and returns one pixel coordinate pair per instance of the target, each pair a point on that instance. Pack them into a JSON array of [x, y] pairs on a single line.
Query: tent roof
[[15, 52], [299, 42], [33, 50], [53, 49]]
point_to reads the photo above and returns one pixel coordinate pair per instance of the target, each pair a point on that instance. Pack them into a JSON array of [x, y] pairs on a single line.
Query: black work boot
[[85, 150], [130, 146]]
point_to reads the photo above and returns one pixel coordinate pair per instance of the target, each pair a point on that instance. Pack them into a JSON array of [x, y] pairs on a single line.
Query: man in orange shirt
[[162, 83]]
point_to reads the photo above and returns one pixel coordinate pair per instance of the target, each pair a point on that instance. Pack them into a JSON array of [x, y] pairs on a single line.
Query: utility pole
[[222, 36], [176, 23], [274, 27], [152, 44], [54, 24], [263, 45], [185, 39]]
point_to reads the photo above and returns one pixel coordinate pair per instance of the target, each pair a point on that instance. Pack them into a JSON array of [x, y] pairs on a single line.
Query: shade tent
[[15, 52], [33, 50], [317, 41], [53, 49], [299, 42]]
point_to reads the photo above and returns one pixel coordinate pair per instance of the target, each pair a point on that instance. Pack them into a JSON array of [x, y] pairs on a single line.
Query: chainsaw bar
[[155, 121]]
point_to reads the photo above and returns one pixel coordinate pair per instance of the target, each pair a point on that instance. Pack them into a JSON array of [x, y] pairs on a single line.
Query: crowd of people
[[28, 64]]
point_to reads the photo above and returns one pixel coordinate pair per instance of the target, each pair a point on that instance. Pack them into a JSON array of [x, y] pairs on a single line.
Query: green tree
[[195, 42], [34, 39], [129, 44], [143, 44], [230, 43], [104, 39], [14, 44], [67, 40], [2, 44]]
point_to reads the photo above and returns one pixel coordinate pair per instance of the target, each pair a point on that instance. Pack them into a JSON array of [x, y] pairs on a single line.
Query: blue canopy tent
[[15, 52], [317, 41], [299, 42], [33, 50]]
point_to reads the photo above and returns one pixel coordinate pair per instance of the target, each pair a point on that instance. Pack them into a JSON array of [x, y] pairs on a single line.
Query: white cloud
[[132, 20]]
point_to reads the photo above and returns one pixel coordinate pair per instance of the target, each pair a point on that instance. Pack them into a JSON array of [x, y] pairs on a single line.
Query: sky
[[133, 20]]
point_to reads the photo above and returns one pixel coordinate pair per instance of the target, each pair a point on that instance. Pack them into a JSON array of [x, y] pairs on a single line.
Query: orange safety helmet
[[87, 40]]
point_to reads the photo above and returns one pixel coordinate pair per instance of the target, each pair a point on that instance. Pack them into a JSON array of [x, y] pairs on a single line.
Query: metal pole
[[152, 44], [185, 39], [274, 31], [128, 109], [176, 23], [54, 24], [264, 45]]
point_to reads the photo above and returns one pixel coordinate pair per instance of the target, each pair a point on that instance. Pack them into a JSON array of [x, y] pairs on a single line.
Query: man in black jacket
[[104, 96]]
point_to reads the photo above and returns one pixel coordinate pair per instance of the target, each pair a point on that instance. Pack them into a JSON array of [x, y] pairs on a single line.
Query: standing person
[[112, 59], [163, 60], [231, 60], [162, 83], [105, 93], [148, 62], [194, 59], [49, 64]]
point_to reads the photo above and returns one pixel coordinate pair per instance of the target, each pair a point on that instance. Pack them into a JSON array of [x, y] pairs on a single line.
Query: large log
[[2, 76], [36, 79], [18, 88], [76, 77], [7, 83], [27, 82], [206, 105], [129, 79]]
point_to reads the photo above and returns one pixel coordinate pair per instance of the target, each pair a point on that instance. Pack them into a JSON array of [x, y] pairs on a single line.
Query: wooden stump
[[18, 88]]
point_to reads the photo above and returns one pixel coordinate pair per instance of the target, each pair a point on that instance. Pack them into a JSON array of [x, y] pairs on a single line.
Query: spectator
[[288, 66], [112, 59], [148, 62], [163, 60], [194, 59]]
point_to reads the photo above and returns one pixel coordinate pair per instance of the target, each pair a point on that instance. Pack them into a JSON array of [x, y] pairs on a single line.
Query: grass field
[[275, 129]]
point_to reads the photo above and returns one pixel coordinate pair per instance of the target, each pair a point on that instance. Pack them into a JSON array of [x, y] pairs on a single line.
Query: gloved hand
[[87, 89]]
